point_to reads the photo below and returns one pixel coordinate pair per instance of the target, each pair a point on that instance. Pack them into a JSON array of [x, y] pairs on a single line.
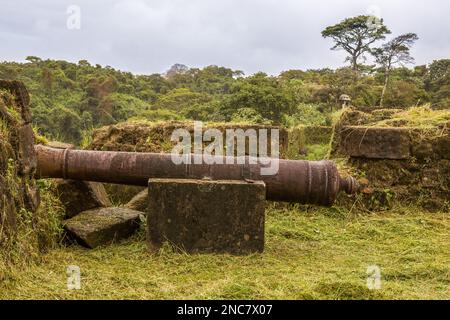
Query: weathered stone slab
[[375, 143], [207, 216], [78, 196], [21, 97], [98, 227], [139, 201]]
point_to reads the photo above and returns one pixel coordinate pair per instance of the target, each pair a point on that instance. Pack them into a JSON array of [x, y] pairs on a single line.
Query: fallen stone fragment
[[79, 196], [139, 201], [102, 226]]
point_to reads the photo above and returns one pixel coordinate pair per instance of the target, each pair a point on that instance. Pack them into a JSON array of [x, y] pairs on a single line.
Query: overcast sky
[[250, 35]]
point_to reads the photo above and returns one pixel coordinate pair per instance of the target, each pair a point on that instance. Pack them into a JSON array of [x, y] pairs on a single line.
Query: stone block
[[79, 196], [102, 226], [207, 216], [375, 143]]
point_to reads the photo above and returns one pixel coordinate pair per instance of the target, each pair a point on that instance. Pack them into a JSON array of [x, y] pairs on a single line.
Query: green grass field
[[320, 253]]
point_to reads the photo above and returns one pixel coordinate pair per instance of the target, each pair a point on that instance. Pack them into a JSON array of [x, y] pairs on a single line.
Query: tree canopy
[[396, 51], [356, 35]]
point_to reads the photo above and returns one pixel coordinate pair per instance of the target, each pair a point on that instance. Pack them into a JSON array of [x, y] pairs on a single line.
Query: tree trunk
[[386, 80], [355, 63]]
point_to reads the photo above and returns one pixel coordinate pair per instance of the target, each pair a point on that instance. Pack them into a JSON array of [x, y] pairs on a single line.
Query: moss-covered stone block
[[207, 216], [375, 143], [79, 196]]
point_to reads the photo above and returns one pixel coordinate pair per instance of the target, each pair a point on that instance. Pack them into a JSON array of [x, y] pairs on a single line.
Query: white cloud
[[251, 35]]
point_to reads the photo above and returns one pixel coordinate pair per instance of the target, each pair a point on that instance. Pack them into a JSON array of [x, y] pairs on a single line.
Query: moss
[[145, 136], [419, 179], [40, 139]]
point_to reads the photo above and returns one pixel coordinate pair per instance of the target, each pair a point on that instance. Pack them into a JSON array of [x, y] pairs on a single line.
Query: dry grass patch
[[310, 253]]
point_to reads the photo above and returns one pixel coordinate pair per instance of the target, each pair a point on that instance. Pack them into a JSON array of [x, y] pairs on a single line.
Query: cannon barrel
[[313, 182]]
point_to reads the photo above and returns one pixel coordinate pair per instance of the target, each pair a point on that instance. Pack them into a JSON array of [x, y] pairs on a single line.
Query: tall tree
[[396, 51], [176, 69], [356, 35]]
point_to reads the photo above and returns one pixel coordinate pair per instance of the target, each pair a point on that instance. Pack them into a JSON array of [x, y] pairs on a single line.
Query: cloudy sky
[[250, 35]]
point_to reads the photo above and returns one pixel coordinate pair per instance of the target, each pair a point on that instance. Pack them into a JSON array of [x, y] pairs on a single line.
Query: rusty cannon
[[197, 206], [307, 182]]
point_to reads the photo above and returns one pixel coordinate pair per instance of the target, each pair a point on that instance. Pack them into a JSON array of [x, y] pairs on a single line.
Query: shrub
[[306, 114]]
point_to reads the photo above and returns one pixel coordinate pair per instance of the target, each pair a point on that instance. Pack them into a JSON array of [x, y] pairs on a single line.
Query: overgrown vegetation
[[311, 253], [417, 117], [24, 233]]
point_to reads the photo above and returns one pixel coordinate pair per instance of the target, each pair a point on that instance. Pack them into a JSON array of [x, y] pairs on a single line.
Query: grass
[[315, 253], [418, 117]]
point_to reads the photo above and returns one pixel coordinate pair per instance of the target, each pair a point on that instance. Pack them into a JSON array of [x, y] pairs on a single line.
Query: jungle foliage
[[70, 99]]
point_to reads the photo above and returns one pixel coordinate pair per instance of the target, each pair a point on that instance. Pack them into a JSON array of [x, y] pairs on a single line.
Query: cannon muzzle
[[312, 182]]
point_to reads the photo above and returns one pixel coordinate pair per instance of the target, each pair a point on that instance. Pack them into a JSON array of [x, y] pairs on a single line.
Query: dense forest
[[69, 99]]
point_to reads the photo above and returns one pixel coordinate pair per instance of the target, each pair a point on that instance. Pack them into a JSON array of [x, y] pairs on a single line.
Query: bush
[[306, 114], [158, 114], [249, 115]]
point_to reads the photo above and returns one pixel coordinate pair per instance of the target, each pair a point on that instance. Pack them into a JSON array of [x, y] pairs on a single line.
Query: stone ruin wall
[[17, 157], [29, 214], [396, 165], [142, 136]]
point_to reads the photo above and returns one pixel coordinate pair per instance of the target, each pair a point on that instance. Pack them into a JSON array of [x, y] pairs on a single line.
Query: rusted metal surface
[[314, 182]]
